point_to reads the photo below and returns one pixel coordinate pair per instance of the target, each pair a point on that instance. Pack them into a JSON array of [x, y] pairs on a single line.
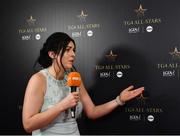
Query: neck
[[56, 72]]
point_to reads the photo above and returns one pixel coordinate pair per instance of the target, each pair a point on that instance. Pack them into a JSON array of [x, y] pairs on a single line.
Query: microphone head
[[73, 79]]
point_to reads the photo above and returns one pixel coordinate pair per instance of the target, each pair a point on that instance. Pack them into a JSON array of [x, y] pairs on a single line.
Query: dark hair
[[56, 42]]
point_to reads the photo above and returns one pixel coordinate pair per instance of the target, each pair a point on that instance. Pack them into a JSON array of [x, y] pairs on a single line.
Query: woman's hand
[[130, 93], [71, 100]]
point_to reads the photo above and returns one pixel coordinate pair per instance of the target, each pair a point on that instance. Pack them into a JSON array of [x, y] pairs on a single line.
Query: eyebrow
[[69, 47]]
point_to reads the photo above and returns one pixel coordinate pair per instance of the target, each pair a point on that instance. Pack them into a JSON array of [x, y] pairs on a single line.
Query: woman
[[47, 101]]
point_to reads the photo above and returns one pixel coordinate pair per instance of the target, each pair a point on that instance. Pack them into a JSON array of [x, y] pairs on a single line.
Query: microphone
[[73, 81]]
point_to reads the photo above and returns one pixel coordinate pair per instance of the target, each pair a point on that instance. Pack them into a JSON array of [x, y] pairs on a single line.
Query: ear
[[51, 54]]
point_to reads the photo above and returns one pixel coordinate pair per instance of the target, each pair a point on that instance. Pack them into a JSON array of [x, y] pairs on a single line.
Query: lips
[[71, 61]]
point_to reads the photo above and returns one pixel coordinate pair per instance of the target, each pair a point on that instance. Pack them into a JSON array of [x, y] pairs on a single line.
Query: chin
[[68, 67]]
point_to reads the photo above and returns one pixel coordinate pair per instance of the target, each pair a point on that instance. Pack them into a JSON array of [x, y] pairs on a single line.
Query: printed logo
[[175, 53], [38, 36], [76, 34], [142, 98], [82, 28], [105, 74], [31, 20], [134, 117], [30, 31], [141, 24], [149, 28], [82, 16], [150, 118], [119, 74], [90, 33], [26, 37], [111, 56], [134, 30], [140, 11], [169, 73]]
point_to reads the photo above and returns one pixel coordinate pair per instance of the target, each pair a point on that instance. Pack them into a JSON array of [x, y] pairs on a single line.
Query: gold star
[[140, 11], [111, 56], [175, 53], [142, 98], [31, 20], [82, 16]]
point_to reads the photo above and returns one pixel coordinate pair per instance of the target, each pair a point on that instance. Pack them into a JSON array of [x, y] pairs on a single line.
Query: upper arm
[[34, 96], [88, 104]]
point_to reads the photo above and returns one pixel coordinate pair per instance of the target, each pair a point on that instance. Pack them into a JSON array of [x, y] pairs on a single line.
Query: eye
[[67, 49]]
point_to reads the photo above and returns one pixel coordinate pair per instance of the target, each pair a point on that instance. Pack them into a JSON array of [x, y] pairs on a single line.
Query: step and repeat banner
[[119, 43]]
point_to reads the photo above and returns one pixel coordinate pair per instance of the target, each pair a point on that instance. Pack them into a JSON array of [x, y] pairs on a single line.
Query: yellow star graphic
[[175, 53], [111, 55], [82, 16], [142, 98], [140, 11], [31, 20]]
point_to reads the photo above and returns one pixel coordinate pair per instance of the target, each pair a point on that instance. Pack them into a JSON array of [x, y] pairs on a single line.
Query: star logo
[[82, 16], [140, 11], [31, 20], [175, 54], [111, 56], [142, 98]]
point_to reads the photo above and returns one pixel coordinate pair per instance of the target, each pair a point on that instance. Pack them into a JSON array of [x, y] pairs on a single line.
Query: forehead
[[71, 44]]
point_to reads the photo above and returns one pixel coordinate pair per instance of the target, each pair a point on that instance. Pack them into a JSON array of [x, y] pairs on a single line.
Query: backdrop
[[119, 43]]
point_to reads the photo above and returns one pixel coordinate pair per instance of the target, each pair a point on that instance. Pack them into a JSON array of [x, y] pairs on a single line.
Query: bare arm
[[94, 112], [33, 100]]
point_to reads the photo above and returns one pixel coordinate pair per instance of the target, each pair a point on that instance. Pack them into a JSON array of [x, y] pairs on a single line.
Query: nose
[[73, 53]]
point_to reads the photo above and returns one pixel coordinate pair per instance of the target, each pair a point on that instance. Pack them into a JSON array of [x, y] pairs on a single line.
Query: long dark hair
[[56, 42]]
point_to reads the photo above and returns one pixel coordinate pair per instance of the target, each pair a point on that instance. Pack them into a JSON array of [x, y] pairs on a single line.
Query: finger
[[77, 100], [76, 97], [75, 93], [138, 91], [129, 88]]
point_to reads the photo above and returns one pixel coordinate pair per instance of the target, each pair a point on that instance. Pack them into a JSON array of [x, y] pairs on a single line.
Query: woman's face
[[69, 56]]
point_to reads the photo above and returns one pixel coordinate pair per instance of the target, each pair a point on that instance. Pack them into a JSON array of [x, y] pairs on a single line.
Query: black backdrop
[[138, 40]]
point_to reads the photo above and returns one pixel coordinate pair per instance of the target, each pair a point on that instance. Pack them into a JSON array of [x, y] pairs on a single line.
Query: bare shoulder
[[37, 82], [38, 77]]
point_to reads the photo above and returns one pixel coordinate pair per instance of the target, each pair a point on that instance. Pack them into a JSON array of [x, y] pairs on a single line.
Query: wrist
[[119, 102], [61, 106]]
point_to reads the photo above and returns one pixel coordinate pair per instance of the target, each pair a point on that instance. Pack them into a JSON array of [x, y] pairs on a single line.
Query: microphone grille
[[73, 79]]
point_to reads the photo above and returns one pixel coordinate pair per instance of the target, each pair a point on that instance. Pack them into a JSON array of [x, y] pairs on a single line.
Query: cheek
[[66, 63], [64, 60]]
